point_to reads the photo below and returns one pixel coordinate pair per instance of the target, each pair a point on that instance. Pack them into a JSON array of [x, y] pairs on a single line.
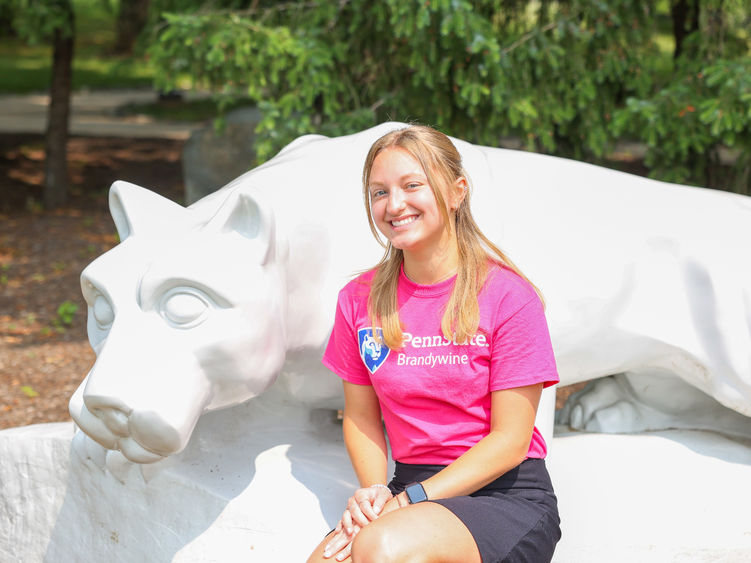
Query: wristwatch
[[415, 493]]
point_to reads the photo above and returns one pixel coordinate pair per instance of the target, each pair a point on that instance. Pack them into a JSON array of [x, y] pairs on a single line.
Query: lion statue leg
[[648, 400]]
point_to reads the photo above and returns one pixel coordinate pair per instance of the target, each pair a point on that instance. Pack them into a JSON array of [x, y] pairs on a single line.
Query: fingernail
[[326, 553]]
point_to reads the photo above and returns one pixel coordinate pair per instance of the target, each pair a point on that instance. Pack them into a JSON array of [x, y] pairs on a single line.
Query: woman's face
[[403, 204]]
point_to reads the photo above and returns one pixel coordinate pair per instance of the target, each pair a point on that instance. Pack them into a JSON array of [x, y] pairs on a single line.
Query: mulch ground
[[44, 351]]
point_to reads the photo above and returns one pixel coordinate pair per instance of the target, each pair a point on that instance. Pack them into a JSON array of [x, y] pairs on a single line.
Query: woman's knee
[[375, 544]]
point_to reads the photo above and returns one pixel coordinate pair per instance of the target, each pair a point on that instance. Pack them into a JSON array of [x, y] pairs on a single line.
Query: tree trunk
[[131, 19], [6, 21], [685, 14], [56, 165]]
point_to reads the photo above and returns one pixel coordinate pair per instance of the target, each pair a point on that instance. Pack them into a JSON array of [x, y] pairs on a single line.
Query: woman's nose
[[395, 202]]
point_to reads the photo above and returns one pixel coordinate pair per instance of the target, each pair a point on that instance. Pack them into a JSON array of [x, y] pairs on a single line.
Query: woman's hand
[[362, 508], [365, 506]]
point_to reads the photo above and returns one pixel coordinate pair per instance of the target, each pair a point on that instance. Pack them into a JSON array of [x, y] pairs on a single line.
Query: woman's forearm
[[366, 446], [484, 462]]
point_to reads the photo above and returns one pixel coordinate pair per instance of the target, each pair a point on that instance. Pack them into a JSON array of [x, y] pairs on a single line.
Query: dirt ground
[[44, 351]]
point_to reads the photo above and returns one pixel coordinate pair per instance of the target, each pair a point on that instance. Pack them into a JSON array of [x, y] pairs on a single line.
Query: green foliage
[[25, 60], [65, 313], [548, 71], [569, 77], [36, 20], [29, 391], [704, 108], [686, 124]]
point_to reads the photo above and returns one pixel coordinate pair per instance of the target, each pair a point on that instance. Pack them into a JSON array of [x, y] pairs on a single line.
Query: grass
[[181, 110], [27, 68]]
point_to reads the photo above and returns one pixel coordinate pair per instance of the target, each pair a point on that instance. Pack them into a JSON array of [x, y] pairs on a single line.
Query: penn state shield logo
[[372, 351]]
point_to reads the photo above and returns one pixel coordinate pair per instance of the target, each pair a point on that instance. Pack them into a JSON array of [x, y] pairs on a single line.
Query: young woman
[[445, 342]]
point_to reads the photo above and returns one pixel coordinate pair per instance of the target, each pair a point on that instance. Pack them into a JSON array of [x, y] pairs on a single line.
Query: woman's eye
[[184, 309], [378, 194], [413, 185]]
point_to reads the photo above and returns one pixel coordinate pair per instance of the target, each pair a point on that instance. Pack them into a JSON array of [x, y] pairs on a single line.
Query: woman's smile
[[404, 221]]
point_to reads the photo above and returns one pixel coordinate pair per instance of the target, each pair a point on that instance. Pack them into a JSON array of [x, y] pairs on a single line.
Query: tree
[[476, 69], [40, 20], [702, 110], [58, 115], [685, 14], [554, 74], [132, 16]]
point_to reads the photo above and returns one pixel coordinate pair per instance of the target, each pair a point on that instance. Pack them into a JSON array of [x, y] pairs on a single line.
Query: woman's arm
[[366, 445], [512, 419], [363, 434]]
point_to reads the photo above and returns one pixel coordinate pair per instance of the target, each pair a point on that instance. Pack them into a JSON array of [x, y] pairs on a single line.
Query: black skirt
[[514, 518]]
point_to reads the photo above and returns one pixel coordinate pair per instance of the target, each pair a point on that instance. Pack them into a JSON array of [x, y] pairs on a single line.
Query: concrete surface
[[94, 113]]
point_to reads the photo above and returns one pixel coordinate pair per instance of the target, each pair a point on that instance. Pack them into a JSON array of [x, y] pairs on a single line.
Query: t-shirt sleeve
[[522, 353], [342, 355]]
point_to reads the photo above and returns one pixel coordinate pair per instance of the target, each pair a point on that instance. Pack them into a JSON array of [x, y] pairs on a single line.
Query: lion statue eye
[[184, 307], [103, 312]]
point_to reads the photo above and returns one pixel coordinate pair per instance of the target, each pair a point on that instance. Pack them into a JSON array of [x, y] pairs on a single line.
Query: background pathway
[[94, 113]]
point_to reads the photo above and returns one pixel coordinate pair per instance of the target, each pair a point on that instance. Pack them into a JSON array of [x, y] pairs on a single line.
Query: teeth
[[403, 221]]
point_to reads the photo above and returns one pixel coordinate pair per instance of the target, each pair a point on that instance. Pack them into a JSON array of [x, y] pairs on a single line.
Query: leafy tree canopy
[[37, 20], [550, 71]]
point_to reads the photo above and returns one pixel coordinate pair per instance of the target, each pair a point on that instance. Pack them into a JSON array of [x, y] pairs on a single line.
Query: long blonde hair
[[442, 165]]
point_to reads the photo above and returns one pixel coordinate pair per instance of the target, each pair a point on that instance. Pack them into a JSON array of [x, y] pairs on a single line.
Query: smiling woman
[[470, 481], [405, 210]]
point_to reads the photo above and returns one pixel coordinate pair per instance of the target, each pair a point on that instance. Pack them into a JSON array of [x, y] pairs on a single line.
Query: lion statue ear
[[136, 210], [248, 216]]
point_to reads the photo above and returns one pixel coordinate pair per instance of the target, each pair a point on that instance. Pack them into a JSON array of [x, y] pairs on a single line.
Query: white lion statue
[[202, 307], [230, 302]]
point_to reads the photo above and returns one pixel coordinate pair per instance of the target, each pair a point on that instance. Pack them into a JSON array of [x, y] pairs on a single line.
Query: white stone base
[[669, 496]]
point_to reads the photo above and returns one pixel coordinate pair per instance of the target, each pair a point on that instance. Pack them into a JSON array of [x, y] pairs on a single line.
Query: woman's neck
[[432, 268]]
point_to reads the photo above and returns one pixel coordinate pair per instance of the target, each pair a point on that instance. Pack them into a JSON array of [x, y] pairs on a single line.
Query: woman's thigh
[[416, 533]]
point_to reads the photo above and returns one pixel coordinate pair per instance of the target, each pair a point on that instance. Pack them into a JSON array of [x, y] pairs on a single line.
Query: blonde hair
[[442, 165]]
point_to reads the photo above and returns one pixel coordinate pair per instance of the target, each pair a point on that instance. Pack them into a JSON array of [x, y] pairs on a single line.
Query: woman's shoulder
[[507, 286], [358, 287]]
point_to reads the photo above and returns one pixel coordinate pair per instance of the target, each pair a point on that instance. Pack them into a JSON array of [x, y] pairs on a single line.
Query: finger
[[339, 541], [356, 511], [368, 511], [347, 522], [344, 553], [347, 550], [381, 499]]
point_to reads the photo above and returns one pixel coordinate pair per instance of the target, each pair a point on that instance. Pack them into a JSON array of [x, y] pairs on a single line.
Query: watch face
[[415, 493]]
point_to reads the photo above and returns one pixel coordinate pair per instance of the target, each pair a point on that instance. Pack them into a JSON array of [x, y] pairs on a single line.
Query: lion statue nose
[[112, 412], [141, 435]]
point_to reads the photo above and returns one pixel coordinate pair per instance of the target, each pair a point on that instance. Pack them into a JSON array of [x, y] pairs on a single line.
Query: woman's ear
[[458, 193]]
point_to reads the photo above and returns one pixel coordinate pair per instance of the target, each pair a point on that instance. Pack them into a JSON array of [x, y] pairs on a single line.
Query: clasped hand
[[363, 507]]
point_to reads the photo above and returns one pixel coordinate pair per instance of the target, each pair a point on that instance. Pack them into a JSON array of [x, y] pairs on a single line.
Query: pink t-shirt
[[435, 393]]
